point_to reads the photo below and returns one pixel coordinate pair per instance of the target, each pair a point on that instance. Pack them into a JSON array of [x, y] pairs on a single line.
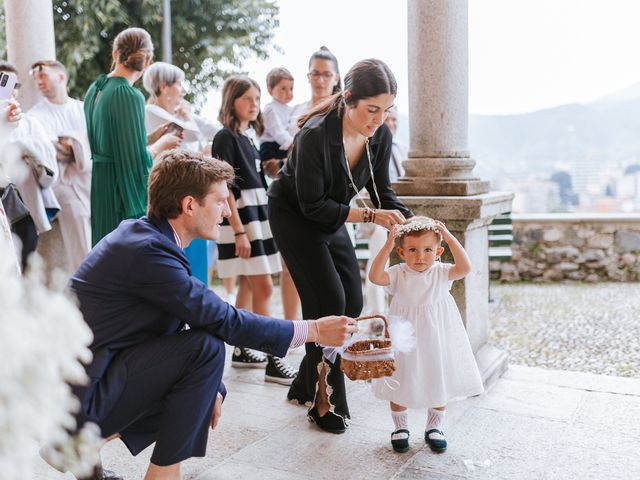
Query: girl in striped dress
[[246, 247]]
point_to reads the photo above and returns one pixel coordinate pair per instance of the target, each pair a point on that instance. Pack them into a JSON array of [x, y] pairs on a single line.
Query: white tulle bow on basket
[[367, 358]]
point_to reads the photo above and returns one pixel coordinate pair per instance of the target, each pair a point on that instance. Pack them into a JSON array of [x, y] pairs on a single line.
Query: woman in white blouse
[[166, 105], [324, 79]]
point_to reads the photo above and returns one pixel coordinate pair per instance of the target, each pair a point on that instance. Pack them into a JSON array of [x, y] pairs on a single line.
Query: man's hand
[[332, 330], [217, 411], [14, 112], [64, 152]]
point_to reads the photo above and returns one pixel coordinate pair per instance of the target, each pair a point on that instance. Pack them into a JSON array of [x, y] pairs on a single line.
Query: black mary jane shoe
[[401, 444], [330, 422], [438, 445]]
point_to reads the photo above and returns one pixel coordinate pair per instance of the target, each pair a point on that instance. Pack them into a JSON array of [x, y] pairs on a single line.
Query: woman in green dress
[[115, 123]]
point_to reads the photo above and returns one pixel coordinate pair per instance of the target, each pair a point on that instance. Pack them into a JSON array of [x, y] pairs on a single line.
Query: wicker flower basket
[[367, 359]]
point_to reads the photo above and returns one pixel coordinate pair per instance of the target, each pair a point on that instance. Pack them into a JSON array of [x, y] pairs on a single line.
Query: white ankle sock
[[435, 419], [400, 420]]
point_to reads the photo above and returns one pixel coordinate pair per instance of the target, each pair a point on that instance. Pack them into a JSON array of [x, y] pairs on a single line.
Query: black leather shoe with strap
[[435, 439], [400, 440]]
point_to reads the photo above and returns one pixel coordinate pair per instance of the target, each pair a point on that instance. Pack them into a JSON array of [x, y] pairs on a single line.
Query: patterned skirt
[[265, 258]]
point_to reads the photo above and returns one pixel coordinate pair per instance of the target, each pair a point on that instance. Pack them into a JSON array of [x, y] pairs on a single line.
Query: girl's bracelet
[[237, 234]]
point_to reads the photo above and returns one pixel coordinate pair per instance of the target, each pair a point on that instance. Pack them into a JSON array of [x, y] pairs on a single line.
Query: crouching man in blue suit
[[151, 378]]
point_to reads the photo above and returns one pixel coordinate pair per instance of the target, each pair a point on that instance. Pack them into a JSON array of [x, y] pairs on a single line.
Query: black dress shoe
[[438, 445], [400, 440], [330, 422], [101, 474]]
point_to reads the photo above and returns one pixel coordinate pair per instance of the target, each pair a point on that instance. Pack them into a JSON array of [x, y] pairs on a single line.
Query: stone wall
[[583, 247]]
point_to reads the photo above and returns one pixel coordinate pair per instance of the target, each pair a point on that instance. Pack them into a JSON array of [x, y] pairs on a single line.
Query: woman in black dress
[[343, 146]]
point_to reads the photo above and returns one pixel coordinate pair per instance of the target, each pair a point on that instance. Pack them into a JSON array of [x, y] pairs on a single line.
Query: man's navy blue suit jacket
[[136, 285]]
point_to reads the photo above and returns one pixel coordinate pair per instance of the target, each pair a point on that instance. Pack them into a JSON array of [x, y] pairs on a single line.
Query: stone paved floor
[[570, 326], [533, 424]]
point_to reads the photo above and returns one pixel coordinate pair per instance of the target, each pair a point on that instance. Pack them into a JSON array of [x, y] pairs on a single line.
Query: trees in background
[[211, 38]]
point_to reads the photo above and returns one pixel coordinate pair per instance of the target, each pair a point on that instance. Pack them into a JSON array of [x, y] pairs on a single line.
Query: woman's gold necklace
[[352, 183]]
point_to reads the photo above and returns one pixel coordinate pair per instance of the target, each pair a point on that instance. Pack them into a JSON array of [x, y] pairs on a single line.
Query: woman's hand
[[271, 167], [157, 133], [183, 111], [389, 218], [243, 246]]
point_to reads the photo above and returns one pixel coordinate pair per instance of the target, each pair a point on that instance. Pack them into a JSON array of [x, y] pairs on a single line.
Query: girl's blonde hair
[[234, 87]]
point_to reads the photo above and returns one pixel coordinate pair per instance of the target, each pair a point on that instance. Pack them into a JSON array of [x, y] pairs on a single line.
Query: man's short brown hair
[[179, 173], [8, 67]]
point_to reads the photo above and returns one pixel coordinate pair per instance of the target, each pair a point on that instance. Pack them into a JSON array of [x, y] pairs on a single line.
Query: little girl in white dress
[[442, 367]]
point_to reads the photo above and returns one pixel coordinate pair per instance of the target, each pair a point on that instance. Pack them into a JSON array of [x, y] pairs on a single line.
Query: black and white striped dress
[[250, 194]]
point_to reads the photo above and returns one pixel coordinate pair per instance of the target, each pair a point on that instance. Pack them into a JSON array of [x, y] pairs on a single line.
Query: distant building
[[533, 195]]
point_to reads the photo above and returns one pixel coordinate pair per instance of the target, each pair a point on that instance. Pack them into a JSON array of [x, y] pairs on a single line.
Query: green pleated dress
[[121, 162]]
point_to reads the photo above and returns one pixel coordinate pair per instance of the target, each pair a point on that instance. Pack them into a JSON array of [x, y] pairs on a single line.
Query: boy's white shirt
[[276, 119]]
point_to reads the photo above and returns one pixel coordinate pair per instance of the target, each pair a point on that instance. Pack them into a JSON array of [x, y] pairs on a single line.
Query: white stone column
[[30, 37], [439, 161], [439, 180]]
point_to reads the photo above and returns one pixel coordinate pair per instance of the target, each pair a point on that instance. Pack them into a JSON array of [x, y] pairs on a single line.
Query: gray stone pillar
[[439, 162], [30, 37], [439, 180], [29, 26]]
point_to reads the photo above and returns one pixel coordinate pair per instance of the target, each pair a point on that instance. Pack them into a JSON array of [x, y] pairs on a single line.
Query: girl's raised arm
[[462, 264], [377, 273]]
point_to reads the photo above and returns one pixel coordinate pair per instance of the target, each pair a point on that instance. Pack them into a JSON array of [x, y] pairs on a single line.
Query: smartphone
[[8, 82], [175, 129]]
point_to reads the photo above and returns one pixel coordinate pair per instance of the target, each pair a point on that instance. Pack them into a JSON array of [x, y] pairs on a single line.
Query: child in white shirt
[[276, 140]]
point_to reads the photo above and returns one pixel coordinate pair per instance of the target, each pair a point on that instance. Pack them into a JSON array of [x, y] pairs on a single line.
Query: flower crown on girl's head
[[418, 225]]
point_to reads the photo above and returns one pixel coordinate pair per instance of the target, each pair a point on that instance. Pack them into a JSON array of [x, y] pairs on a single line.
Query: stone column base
[[468, 219], [434, 186]]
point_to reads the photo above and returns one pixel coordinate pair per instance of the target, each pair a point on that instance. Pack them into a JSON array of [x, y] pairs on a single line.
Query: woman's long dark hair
[[325, 54], [366, 79]]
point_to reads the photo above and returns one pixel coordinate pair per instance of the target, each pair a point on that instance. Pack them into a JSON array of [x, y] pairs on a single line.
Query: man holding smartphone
[[64, 120], [30, 142]]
